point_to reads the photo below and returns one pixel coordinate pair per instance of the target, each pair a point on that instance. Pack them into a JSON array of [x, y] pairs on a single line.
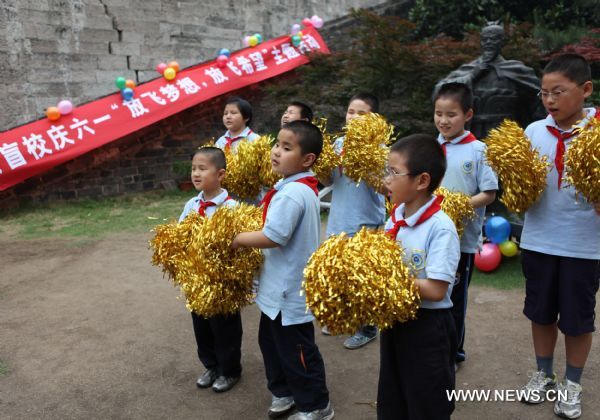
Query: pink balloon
[[318, 22], [295, 28], [161, 67], [307, 22], [488, 258], [246, 41], [65, 107], [222, 60]]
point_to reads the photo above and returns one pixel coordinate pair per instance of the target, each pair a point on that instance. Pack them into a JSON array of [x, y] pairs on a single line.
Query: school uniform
[[468, 172], [293, 364], [560, 241], [219, 337], [417, 356], [229, 141]]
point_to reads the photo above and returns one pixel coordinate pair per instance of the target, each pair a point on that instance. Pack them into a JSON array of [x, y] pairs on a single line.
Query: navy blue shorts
[[561, 288]]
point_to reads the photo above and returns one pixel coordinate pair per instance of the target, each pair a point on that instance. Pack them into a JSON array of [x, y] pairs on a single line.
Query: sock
[[545, 364], [573, 374]]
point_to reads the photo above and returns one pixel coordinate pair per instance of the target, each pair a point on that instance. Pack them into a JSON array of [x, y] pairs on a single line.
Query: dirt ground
[[92, 330]]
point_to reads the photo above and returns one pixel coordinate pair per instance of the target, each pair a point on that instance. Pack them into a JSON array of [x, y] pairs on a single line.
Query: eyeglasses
[[542, 94], [391, 173]]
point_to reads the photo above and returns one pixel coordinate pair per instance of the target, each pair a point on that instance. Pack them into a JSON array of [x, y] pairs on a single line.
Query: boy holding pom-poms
[[561, 241], [293, 364], [219, 338], [417, 356]]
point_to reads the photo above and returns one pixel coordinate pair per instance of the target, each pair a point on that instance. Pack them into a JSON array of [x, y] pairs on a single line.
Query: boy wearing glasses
[[561, 241], [466, 172], [417, 356]]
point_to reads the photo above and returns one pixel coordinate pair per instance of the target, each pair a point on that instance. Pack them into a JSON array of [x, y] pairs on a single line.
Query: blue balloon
[[127, 94], [259, 37], [497, 229], [224, 51]]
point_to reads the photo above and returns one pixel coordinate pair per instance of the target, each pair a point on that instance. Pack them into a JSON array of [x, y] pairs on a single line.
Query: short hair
[[305, 110], [458, 92], [572, 66], [243, 105], [367, 98], [309, 136], [423, 154], [215, 155]]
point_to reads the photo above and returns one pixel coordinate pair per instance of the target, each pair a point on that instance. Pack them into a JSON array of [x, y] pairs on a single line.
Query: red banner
[[36, 147]]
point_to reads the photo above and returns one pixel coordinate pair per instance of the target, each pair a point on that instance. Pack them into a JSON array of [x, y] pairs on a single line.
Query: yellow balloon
[[169, 73], [253, 41], [508, 248]]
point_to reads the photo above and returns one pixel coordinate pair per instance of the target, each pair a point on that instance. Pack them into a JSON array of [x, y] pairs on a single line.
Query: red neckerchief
[[205, 204], [433, 208], [311, 181], [231, 140], [469, 138]]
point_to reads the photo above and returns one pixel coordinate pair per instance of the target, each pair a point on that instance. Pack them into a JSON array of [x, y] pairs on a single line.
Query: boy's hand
[[235, 244]]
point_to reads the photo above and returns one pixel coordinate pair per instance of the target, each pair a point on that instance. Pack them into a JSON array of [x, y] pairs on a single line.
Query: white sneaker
[[322, 414], [537, 387], [569, 408], [280, 406]]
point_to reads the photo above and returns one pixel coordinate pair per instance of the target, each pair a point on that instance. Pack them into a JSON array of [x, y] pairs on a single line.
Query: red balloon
[[307, 22], [488, 258]]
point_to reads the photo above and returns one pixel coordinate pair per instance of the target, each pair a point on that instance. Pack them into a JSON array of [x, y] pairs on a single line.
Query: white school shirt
[[293, 222], [559, 223], [193, 204], [246, 135], [431, 249], [467, 171], [353, 205]]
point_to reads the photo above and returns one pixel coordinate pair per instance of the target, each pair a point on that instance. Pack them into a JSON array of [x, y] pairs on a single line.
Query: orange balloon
[[174, 65], [130, 83], [169, 73], [53, 113]]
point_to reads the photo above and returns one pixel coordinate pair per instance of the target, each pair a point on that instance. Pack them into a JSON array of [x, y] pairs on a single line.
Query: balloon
[[170, 73], [127, 94], [300, 34], [307, 22], [225, 52], [174, 65], [130, 83], [488, 258], [253, 41], [508, 248], [246, 41], [296, 40], [52, 113], [65, 107], [120, 82], [259, 38], [222, 60], [161, 67], [318, 22], [497, 229], [295, 28]]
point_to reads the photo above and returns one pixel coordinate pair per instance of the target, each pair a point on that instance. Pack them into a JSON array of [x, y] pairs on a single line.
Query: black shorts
[[562, 288]]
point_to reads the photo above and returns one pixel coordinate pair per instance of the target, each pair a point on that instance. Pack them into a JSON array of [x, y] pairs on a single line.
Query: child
[[293, 364], [417, 357], [561, 240], [219, 338], [353, 205], [296, 110], [237, 117], [467, 172]]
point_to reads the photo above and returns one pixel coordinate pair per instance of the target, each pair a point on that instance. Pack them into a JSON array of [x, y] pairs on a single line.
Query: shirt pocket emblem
[[467, 166]]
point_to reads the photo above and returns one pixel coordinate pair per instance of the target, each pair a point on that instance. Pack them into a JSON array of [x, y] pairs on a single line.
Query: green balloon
[[120, 82]]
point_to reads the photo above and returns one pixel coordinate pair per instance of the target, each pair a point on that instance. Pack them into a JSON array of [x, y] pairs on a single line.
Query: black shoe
[[207, 378], [225, 383]]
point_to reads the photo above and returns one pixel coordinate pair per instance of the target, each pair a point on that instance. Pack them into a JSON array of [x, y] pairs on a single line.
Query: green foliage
[[182, 169], [3, 368]]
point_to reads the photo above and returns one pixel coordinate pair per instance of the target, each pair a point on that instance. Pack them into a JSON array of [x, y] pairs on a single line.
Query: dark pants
[[417, 368], [219, 340], [460, 295], [293, 363]]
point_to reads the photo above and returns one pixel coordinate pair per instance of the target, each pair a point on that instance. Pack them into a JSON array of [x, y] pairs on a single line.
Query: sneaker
[[537, 387], [325, 330], [569, 408], [280, 406], [358, 340], [322, 414], [207, 378], [225, 383]]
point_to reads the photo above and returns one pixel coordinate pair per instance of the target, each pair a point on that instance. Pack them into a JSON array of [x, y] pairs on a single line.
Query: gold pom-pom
[[263, 146], [365, 148], [350, 282], [457, 206], [521, 170], [328, 160], [242, 170], [197, 254], [582, 162]]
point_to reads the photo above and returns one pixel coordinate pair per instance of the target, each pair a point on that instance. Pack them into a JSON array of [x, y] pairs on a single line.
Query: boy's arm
[[597, 208], [483, 198], [433, 290], [326, 181], [255, 239]]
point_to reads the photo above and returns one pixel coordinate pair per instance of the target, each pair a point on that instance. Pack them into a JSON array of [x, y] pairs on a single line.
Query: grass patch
[[507, 276], [94, 218], [3, 368]]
